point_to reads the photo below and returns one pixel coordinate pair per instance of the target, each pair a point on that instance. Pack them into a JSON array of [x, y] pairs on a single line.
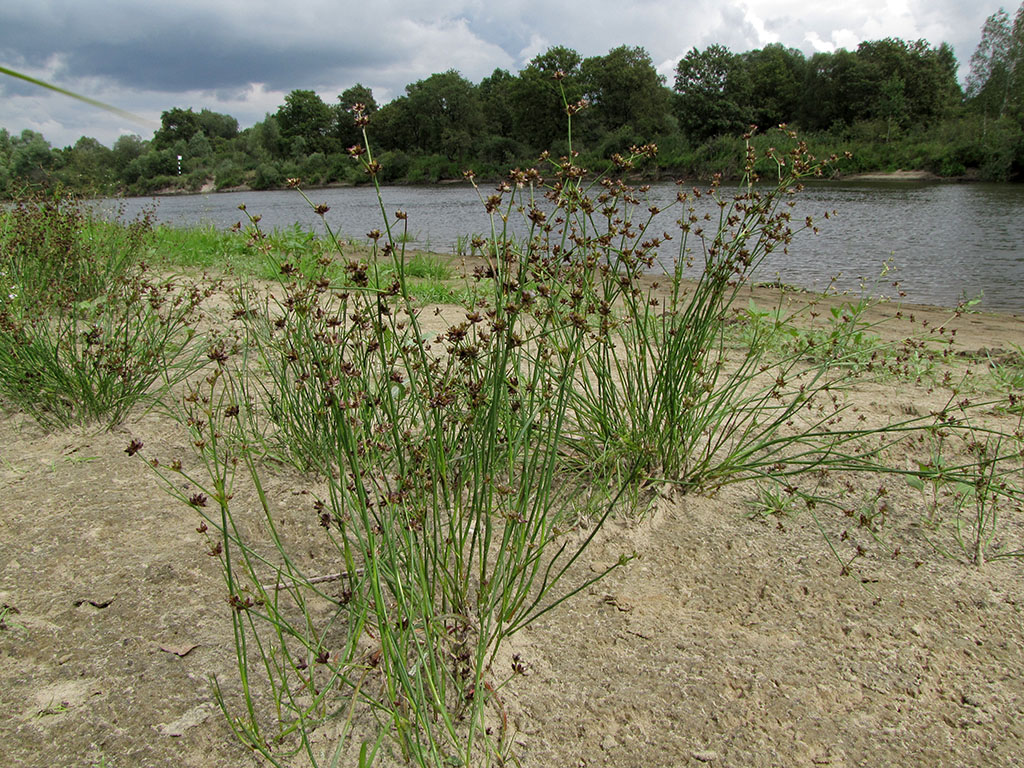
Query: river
[[945, 241]]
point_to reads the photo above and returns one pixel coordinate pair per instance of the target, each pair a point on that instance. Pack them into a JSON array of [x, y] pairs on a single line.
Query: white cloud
[[537, 45]]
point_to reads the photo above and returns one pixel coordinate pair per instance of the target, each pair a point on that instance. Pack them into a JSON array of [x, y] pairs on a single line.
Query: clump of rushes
[[656, 383], [56, 252], [440, 491], [85, 334]]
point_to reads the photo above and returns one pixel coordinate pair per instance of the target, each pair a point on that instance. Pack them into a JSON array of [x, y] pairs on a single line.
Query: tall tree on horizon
[[713, 91], [625, 89], [996, 68]]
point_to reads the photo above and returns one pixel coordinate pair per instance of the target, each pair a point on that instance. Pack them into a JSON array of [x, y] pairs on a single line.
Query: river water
[[945, 241]]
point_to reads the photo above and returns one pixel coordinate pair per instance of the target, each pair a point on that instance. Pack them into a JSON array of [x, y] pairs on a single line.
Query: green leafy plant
[[6, 611], [1007, 370], [965, 496]]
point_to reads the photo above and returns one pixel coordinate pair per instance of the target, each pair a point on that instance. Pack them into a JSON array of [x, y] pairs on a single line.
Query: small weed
[[6, 611], [11, 467], [965, 497], [773, 500], [1007, 372], [52, 708]]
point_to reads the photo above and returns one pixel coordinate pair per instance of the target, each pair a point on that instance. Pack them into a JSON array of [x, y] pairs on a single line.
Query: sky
[[242, 57]]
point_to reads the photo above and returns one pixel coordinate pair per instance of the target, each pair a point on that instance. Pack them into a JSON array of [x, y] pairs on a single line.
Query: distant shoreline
[[900, 175]]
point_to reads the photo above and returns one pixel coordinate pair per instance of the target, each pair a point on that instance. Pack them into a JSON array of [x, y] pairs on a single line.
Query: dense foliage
[[893, 103]]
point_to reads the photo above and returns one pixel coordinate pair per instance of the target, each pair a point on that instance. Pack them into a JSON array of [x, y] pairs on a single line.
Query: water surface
[[944, 242]]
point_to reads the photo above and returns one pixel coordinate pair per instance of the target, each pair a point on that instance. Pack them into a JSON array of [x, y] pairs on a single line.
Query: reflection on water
[[945, 241]]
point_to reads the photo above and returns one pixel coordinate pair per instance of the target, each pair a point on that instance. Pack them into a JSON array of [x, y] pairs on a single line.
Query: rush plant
[[85, 333], [438, 490]]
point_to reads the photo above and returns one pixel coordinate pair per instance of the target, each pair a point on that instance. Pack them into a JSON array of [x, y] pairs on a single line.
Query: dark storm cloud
[[206, 63], [179, 54]]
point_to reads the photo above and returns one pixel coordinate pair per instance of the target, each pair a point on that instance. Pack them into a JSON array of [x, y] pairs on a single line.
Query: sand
[[735, 639]]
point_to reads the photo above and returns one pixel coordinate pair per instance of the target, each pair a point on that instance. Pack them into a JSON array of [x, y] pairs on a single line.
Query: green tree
[[833, 91], [176, 125], [624, 89], [199, 147], [32, 159], [539, 118], [928, 76], [775, 75], [894, 104], [392, 126], [446, 114], [88, 165], [713, 90], [996, 79], [215, 125], [6, 148], [495, 92], [358, 94], [146, 168], [262, 141], [345, 128], [304, 114], [125, 149]]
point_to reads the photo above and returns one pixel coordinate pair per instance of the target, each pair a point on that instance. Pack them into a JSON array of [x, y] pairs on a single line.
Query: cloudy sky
[[241, 57]]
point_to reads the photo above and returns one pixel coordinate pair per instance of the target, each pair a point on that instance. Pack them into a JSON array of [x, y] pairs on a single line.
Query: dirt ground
[[733, 640]]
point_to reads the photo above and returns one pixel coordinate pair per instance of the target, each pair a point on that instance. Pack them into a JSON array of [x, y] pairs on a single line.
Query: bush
[[228, 174], [268, 176], [432, 168]]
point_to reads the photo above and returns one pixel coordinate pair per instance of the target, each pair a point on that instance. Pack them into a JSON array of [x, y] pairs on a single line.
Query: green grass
[[295, 253], [202, 248], [1007, 372]]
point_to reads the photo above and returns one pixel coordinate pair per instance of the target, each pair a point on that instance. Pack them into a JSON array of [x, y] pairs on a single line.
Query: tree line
[[893, 103]]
